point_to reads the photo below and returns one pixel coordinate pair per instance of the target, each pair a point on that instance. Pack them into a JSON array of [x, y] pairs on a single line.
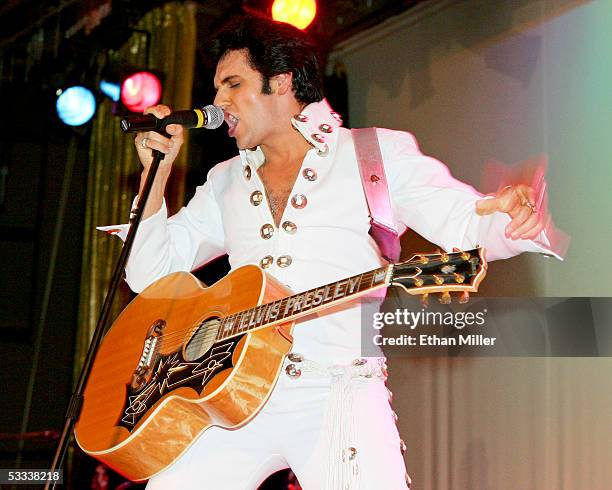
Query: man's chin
[[244, 145], [239, 143]]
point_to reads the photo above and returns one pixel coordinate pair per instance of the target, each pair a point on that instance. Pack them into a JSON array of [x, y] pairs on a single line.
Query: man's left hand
[[523, 204]]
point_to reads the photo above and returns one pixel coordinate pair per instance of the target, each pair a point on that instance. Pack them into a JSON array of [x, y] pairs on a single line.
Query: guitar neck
[[302, 304]]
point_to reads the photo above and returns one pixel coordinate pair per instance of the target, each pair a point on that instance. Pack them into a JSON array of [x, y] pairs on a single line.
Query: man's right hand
[[148, 141]]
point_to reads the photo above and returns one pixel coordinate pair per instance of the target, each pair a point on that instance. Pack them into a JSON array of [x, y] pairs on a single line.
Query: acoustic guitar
[[183, 357]]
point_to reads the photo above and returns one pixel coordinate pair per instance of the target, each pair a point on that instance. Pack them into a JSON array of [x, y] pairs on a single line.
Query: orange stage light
[[299, 13]]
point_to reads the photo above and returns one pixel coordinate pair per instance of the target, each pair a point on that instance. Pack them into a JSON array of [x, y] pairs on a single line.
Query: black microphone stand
[[76, 400]]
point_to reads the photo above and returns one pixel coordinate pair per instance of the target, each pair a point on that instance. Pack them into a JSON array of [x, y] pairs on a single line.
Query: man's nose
[[220, 100]]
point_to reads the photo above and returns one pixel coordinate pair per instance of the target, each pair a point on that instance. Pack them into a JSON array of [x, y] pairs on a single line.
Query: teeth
[[233, 119]]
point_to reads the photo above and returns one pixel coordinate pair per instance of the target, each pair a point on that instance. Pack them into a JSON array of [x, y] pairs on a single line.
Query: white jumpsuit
[[332, 424]]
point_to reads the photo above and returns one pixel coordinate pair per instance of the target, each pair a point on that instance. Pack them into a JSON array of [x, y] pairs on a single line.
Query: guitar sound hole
[[202, 339]]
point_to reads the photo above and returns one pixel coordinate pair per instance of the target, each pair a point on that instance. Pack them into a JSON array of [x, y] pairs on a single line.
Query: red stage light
[[299, 13], [140, 90]]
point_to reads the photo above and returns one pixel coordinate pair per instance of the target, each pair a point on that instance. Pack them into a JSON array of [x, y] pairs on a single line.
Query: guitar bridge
[[142, 373]]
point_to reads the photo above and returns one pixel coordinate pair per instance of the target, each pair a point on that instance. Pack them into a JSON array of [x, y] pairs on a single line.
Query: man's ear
[[282, 83]]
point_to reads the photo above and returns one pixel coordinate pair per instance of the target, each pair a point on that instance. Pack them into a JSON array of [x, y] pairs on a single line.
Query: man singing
[[292, 202]]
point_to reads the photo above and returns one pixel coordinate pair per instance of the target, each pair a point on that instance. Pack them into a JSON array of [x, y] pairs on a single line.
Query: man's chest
[[319, 209], [277, 187]]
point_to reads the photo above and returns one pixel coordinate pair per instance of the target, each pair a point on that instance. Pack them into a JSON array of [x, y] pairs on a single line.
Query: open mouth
[[232, 122]]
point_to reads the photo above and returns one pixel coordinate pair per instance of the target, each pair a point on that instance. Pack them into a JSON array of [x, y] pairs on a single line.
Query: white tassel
[[341, 451], [342, 461]]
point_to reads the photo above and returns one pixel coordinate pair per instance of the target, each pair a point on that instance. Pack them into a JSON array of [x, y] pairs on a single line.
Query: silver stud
[[402, 446], [352, 453], [324, 152], [299, 201], [266, 262], [319, 138], [284, 261], [256, 198], [295, 357], [309, 174], [266, 231], [359, 361], [292, 371], [301, 118], [336, 116], [326, 128], [289, 227], [247, 172]]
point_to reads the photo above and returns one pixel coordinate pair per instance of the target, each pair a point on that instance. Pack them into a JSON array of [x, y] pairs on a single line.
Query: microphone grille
[[214, 116]]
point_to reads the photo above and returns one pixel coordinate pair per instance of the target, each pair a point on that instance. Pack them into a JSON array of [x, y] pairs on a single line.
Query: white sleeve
[[442, 209], [183, 242]]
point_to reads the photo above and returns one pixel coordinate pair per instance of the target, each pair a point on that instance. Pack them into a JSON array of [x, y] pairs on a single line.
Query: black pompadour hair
[[273, 48]]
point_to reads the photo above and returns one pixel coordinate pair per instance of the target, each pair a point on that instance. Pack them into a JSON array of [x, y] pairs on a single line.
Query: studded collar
[[317, 123]]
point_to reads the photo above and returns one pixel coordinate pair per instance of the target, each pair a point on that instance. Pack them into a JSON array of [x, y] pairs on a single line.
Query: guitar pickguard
[[171, 372]]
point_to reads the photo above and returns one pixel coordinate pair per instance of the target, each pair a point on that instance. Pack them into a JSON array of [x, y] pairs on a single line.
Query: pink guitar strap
[[376, 190]]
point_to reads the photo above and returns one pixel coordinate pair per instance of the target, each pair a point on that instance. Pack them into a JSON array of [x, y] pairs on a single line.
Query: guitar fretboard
[[298, 305]]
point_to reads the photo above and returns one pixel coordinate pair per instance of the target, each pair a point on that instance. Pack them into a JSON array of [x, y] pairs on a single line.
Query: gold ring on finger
[[530, 206]]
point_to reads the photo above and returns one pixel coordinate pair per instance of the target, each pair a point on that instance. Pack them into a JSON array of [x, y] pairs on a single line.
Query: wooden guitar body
[[159, 380], [183, 357]]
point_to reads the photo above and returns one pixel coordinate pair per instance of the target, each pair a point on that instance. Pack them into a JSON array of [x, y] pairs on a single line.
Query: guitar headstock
[[460, 271]]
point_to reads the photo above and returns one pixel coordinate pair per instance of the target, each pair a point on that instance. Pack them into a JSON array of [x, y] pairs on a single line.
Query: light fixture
[[140, 90], [299, 13], [75, 105], [111, 90]]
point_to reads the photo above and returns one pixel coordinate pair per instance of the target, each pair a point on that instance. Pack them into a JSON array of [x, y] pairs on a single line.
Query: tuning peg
[[459, 278], [425, 300], [465, 256], [464, 298], [418, 282], [444, 257], [445, 298], [423, 259], [438, 280]]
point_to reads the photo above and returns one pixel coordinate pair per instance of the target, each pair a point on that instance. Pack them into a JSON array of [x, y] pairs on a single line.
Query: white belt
[[342, 472]]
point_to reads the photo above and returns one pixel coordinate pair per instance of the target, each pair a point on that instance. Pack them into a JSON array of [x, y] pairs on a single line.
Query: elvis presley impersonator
[[292, 202]]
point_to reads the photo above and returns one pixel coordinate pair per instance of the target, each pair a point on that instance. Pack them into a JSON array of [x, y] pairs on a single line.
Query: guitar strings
[[171, 342], [177, 338], [234, 331], [196, 341], [199, 337], [180, 333]]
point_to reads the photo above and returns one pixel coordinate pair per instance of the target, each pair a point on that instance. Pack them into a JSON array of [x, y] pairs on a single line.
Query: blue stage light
[[111, 90], [75, 106]]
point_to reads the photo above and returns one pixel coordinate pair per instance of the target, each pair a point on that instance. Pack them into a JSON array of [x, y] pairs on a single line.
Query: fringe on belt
[[342, 465]]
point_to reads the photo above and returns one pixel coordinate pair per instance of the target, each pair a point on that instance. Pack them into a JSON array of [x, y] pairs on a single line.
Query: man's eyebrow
[[226, 80]]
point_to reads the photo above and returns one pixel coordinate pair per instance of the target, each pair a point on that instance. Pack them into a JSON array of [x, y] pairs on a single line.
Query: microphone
[[209, 117]]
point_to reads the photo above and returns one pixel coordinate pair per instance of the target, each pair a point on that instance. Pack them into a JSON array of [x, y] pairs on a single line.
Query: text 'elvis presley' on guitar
[[183, 357]]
